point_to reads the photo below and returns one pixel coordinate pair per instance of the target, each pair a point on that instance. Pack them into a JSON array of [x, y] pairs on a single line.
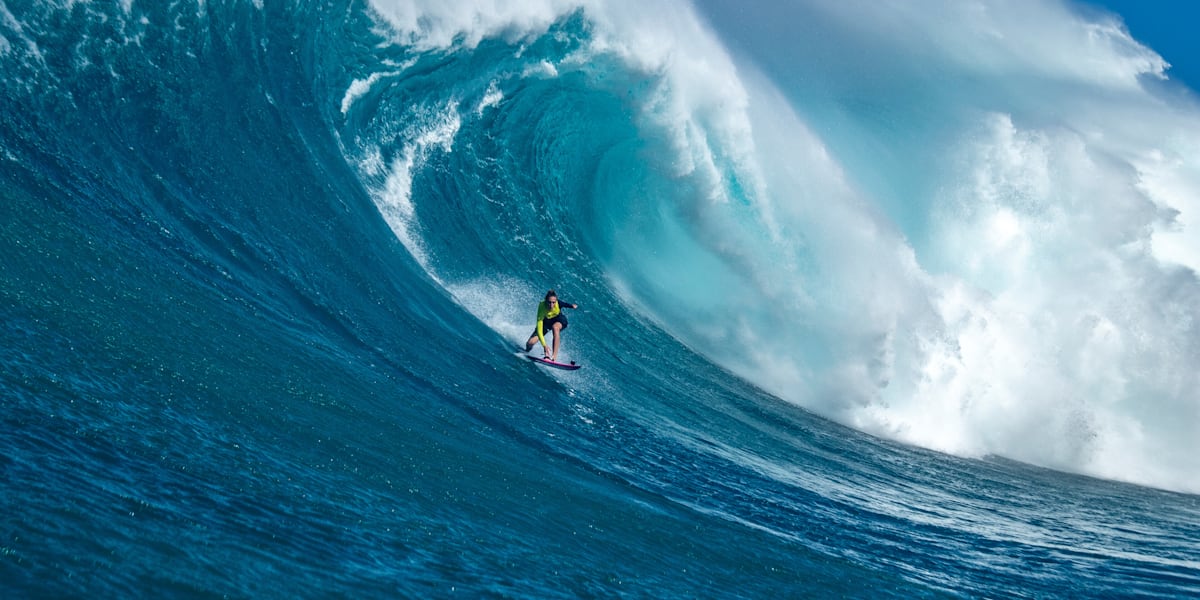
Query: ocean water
[[874, 301]]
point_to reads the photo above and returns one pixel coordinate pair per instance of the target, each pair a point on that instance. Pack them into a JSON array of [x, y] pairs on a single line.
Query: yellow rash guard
[[545, 312]]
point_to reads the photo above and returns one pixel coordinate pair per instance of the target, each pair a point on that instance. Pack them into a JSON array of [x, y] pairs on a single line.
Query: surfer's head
[[551, 297]]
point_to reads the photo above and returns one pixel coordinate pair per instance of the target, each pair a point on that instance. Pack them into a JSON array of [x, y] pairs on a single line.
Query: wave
[[958, 232], [266, 267]]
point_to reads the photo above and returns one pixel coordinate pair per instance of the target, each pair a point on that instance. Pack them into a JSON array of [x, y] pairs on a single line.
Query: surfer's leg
[[558, 327], [532, 340]]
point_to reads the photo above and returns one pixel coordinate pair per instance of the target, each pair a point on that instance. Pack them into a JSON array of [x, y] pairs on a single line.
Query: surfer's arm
[[542, 310]]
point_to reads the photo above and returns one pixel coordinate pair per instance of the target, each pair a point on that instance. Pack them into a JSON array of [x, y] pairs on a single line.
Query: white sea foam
[[491, 98], [1083, 344], [501, 302], [1171, 179], [1048, 315], [998, 39], [435, 24], [359, 87], [543, 69], [431, 131]]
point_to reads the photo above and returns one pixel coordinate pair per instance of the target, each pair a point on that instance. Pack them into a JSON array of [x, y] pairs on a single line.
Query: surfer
[[549, 317]]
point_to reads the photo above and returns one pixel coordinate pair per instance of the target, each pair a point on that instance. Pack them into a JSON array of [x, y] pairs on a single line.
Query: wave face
[[872, 301]]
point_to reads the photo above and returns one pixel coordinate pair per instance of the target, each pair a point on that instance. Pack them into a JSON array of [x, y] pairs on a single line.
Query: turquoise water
[[265, 270]]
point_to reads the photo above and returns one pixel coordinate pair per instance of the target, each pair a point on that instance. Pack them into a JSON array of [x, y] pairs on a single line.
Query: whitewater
[[876, 300]]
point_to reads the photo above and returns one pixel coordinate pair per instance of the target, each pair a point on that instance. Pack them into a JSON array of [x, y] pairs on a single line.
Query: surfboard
[[557, 365]]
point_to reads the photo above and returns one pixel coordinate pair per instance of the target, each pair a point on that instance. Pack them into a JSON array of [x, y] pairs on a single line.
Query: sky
[[1166, 26]]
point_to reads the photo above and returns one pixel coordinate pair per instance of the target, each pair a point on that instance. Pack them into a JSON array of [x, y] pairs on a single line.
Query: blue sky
[[1169, 28]]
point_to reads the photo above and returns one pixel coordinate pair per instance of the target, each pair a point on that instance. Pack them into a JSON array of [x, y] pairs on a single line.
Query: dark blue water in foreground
[[223, 374]]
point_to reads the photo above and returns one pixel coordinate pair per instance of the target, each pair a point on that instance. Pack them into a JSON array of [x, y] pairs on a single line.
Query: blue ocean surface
[[874, 301]]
